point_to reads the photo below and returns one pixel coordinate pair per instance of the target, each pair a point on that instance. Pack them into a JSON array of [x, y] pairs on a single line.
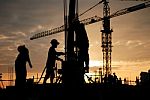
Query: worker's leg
[[52, 76], [46, 77], [86, 59]]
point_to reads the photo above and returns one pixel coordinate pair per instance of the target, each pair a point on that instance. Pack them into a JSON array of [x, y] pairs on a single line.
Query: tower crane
[[92, 20], [106, 32]]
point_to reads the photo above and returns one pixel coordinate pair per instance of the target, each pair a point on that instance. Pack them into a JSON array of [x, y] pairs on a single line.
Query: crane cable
[[91, 8], [77, 16]]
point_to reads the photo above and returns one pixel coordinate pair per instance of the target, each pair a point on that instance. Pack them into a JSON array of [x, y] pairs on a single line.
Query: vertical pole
[[66, 26], [70, 36], [72, 70]]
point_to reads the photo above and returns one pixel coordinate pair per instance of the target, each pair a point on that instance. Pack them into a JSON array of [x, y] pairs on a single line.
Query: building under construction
[[70, 81]]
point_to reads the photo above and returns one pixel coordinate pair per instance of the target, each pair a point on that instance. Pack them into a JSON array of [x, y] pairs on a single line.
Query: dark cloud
[[23, 15]]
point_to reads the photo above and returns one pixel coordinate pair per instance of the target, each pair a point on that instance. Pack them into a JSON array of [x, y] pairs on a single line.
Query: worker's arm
[[29, 61], [59, 59], [60, 53]]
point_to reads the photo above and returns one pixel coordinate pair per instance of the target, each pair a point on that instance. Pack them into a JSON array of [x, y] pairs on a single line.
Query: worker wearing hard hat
[[20, 65], [52, 57]]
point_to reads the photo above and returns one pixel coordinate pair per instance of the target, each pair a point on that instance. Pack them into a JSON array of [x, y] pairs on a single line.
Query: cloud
[[3, 37], [23, 15], [131, 44], [134, 43], [19, 33]]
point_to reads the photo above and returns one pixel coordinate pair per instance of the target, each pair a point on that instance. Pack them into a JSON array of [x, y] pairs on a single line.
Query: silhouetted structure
[[73, 67], [119, 81], [2, 85], [82, 44], [137, 81], [145, 78], [70, 58], [115, 78], [52, 57], [20, 65]]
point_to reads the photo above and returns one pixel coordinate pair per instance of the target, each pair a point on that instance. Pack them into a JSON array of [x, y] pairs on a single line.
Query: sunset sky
[[21, 19]]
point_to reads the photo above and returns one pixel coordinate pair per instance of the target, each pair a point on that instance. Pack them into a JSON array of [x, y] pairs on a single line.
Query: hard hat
[[54, 41], [21, 48]]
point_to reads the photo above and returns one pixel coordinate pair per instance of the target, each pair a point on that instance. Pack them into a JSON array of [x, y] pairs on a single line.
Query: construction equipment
[[91, 20], [106, 32]]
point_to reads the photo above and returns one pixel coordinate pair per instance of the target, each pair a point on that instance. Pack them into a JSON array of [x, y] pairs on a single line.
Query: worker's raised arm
[[60, 53]]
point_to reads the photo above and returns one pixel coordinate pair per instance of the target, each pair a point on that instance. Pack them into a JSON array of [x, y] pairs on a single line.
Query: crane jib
[[140, 6], [92, 20]]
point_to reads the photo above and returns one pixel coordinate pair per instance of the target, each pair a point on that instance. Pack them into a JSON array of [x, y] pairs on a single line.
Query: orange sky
[[21, 19]]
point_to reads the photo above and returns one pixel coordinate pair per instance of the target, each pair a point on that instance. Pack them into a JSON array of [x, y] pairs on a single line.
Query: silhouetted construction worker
[[119, 81], [52, 57], [137, 81], [20, 65], [115, 78], [82, 44]]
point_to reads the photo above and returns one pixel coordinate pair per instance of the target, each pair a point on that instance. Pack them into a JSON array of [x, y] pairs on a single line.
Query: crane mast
[[106, 39]]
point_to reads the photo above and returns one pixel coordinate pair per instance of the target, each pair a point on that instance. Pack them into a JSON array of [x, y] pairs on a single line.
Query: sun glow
[[95, 63]]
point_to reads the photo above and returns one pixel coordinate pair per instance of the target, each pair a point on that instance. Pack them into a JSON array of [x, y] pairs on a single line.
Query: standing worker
[[52, 57], [20, 65]]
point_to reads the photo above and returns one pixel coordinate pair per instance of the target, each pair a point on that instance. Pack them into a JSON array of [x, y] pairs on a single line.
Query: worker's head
[[54, 42], [22, 49]]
